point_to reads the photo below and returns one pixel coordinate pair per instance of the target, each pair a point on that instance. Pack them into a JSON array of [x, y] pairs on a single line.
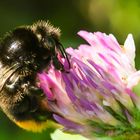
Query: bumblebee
[[24, 52]]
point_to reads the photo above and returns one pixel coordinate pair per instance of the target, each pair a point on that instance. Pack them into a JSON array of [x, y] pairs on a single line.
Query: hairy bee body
[[24, 52]]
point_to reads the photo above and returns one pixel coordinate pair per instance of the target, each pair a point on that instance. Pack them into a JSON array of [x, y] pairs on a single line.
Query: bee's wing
[[6, 73]]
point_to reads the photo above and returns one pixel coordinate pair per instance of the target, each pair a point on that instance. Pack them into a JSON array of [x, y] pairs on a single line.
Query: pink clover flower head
[[95, 96]]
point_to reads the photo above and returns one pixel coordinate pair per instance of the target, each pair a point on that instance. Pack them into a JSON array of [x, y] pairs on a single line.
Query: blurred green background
[[118, 17]]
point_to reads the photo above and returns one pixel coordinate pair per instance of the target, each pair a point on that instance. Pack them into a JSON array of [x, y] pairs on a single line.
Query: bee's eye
[[51, 42]]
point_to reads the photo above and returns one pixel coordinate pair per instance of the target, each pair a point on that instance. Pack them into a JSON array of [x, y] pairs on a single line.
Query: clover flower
[[95, 96]]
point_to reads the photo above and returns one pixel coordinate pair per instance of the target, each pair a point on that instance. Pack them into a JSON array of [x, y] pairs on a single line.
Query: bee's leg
[[35, 91]]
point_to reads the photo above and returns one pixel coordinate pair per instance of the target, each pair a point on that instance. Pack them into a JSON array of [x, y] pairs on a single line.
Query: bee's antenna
[[63, 52]]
